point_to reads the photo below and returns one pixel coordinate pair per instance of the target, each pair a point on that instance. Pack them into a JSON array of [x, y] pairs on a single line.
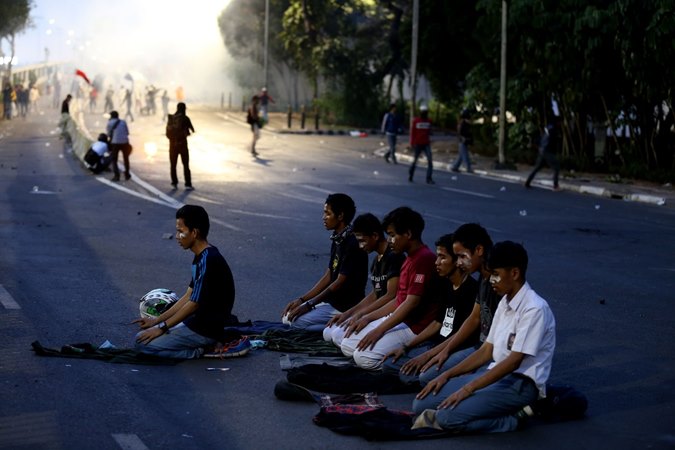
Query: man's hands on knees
[[149, 335], [433, 387], [395, 354], [414, 366], [355, 326], [293, 309], [436, 361], [369, 340]]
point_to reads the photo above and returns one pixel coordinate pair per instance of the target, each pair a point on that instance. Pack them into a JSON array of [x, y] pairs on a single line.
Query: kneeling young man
[[197, 320], [520, 345], [343, 284]]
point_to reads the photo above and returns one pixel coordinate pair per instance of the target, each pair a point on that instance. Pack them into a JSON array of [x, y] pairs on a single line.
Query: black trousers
[[180, 148], [115, 149]]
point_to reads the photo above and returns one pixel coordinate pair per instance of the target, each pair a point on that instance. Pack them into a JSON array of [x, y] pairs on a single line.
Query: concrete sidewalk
[[584, 183]]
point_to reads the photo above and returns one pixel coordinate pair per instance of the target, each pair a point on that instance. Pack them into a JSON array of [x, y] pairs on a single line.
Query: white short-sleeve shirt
[[525, 324]]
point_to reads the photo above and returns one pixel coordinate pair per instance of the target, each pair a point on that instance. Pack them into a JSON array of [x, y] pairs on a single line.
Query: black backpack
[[175, 128]]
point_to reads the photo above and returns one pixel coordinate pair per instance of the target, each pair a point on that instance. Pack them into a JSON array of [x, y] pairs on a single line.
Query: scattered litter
[[381, 144], [363, 156], [61, 155], [322, 142], [453, 178], [167, 236], [257, 343], [47, 144], [661, 202], [68, 365], [35, 188], [602, 301], [523, 212], [295, 169], [217, 369], [375, 172], [502, 189], [597, 207], [135, 370], [185, 435]]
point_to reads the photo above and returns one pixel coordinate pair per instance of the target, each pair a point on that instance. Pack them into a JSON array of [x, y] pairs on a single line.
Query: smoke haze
[[170, 43]]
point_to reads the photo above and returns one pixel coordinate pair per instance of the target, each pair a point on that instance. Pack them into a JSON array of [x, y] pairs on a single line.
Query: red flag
[[83, 75]]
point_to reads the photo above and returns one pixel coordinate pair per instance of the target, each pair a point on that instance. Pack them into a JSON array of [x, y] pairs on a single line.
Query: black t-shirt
[[383, 269], [348, 259], [457, 306], [488, 301], [213, 289]]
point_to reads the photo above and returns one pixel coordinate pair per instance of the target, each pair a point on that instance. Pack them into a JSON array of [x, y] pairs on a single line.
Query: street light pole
[[413, 57], [267, 29], [502, 88]]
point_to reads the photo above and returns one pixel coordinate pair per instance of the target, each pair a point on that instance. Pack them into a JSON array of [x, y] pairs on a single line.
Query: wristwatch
[[164, 327]]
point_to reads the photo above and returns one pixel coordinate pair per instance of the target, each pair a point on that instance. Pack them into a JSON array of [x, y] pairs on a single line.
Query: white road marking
[[250, 213], [43, 192], [136, 194], [156, 191], [462, 191], [129, 442], [314, 188], [302, 198], [204, 199], [7, 300], [225, 224]]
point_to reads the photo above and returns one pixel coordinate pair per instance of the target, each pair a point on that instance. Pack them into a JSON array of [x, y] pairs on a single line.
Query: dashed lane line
[[7, 300], [462, 191], [129, 441]]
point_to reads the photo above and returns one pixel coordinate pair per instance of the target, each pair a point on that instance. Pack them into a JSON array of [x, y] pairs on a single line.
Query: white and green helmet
[[156, 302]]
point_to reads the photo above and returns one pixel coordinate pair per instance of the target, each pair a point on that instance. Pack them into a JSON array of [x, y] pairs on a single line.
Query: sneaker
[[230, 350], [115, 178], [430, 181], [523, 416], [386, 157], [189, 188], [174, 187], [127, 176]]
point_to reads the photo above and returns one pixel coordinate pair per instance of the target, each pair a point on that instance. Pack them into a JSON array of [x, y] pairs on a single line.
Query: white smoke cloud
[[170, 42]]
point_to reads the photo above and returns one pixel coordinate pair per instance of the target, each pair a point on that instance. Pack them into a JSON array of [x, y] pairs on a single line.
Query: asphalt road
[[77, 254]]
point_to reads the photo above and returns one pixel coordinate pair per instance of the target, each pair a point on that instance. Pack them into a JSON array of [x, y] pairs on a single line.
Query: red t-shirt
[[420, 130], [416, 273]]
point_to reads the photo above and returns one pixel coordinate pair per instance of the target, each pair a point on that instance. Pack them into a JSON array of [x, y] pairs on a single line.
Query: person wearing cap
[[265, 98], [420, 131]]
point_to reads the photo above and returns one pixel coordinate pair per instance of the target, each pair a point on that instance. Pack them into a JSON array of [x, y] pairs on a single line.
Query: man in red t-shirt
[[395, 324], [420, 142]]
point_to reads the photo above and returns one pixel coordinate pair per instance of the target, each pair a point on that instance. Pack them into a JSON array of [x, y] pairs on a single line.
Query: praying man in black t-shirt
[[344, 281]]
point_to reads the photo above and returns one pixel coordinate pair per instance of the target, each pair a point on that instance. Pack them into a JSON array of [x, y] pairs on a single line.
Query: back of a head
[[367, 224], [180, 108], [342, 204], [194, 216], [114, 115], [471, 235], [508, 254], [103, 137], [404, 219]]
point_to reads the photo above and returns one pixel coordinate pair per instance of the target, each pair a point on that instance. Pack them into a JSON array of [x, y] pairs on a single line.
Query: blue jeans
[[395, 367], [463, 156], [427, 153], [453, 360], [391, 139], [316, 319], [488, 410], [180, 343]]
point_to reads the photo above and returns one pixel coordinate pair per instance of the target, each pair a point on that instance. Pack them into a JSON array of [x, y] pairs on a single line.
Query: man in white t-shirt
[[520, 345]]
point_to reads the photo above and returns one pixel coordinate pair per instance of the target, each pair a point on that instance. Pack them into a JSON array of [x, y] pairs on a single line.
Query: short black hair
[[342, 204], [404, 219], [367, 224], [446, 241], [195, 217], [114, 115], [471, 235], [508, 254]]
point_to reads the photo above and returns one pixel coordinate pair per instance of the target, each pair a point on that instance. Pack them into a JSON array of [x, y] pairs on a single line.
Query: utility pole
[[502, 89], [267, 30], [413, 58]]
